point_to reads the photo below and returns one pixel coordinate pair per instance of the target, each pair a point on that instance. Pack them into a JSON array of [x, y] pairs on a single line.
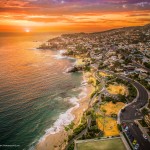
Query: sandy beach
[[58, 141]]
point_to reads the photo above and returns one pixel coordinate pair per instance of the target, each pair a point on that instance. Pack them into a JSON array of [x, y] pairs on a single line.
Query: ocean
[[36, 94]]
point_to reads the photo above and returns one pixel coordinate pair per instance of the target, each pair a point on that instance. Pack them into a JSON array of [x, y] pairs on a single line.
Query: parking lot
[[135, 136]]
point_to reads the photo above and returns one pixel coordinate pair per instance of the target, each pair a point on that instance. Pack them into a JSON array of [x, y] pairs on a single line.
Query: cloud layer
[[72, 15]]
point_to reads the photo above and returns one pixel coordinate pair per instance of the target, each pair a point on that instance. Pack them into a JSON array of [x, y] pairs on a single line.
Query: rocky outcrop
[[74, 69]]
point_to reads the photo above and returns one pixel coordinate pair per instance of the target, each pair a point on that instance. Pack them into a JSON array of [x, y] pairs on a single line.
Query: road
[[129, 115], [132, 112], [136, 132]]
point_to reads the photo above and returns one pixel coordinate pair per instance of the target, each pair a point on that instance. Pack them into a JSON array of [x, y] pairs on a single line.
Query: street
[[132, 111], [137, 134]]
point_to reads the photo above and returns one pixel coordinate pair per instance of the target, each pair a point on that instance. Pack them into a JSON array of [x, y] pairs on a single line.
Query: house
[[140, 70]]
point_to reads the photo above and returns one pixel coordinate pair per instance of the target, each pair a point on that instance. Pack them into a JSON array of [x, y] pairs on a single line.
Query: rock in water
[[72, 69]]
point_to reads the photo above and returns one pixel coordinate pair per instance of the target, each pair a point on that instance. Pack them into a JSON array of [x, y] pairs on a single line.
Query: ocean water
[[36, 95]]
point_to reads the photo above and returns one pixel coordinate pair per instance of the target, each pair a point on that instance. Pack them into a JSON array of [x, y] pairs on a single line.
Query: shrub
[[71, 147], [79, 129], [122, 98], [92, 95], [114, 115], [88, 112], [119, 127], [147, 65], [66, 128], [71, 125], [144, 111]]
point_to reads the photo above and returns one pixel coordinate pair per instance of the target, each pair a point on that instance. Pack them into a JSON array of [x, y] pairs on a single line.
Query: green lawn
[[112, 144]]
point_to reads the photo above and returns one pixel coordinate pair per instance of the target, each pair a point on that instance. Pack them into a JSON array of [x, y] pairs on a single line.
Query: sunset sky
[[71, 15]]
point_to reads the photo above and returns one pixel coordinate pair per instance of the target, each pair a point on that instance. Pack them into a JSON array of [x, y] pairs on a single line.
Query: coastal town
[[117, 65]]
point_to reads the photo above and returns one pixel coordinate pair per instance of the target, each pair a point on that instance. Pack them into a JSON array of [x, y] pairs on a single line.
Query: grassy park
[[108, 144]]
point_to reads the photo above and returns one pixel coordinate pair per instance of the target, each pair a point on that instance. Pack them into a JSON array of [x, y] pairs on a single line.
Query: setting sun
[[27, 30]]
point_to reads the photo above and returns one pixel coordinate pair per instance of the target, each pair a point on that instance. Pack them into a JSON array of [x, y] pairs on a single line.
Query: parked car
[[134, 142], [124, 125], [130, 136], [128, 132], [136, 147], [145, 137], [126, 129]]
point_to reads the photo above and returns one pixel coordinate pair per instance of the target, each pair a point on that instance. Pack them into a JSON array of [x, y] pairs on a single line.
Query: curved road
[[132, 112]]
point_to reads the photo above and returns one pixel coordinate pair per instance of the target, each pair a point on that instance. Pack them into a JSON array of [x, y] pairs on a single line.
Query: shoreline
[[58, 140]]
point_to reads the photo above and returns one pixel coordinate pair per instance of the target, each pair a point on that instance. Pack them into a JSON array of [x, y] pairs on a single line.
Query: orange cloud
[[71, 15]]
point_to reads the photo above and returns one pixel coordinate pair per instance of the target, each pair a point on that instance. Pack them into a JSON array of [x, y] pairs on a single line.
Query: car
[[128, 132], [134, 142], [124, 125], [145, 137], [136, 147], [126, 129], [130, 136]]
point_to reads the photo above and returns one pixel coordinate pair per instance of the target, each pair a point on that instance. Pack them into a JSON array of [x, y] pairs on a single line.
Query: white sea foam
[[83, 83], [63, 120], [65, 70], [67, 117], [33, 48], [82, 95], [60, 55]]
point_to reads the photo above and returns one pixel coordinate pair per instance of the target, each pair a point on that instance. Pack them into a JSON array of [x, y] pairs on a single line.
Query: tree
[[119, 127], [147, 65], [122, 98], [144, 111], [71, 147]]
